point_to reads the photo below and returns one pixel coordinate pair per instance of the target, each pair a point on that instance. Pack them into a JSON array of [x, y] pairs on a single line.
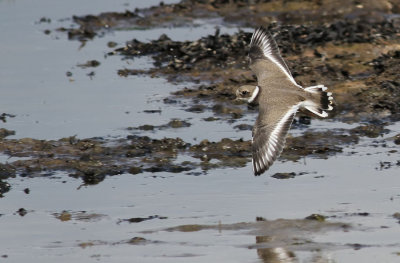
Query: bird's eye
[[244, 92]]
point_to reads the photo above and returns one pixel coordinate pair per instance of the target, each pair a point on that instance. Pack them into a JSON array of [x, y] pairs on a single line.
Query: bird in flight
[[279, 98]]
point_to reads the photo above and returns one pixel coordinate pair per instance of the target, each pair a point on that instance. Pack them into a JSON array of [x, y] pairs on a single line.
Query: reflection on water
[[274, 255], [284, 255]]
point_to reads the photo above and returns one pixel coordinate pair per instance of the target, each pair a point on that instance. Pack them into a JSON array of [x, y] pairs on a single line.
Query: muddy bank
[[246, 13], [351, 58], [94, 159], [174, 124], [351, 47]]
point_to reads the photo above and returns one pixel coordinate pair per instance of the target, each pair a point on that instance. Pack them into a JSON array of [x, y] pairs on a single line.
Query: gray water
[[49, 105]]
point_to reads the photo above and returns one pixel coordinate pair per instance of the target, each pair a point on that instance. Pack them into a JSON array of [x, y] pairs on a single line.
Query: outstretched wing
[[269, 136], [264, 54]]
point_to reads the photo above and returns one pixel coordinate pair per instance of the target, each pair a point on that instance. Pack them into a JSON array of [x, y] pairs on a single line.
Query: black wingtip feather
[[261, 43], [256, 44]]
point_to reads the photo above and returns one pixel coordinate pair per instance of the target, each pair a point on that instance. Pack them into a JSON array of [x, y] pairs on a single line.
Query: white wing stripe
[[283, 69], [279, 125], [257, 166], [316, 89]]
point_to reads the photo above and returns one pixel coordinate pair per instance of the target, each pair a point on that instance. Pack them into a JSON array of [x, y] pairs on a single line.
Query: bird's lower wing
[[269, 139]]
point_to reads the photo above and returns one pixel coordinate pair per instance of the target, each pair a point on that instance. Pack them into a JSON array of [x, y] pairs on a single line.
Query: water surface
[[352, 189]]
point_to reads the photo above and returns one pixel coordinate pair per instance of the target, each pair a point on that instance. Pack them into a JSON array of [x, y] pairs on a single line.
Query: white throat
[[254, 95]]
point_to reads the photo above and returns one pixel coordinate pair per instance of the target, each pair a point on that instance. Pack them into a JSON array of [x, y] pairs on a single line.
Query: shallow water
[[334, 187], [348, 188], [50, 105]]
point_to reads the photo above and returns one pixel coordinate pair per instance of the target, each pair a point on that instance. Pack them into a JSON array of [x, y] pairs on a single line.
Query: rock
[[316, 217], [4, 133], [4, 188], [284, 175], [137, 240]]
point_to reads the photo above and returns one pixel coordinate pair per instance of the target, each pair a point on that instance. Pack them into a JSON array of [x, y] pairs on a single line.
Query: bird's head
[[247, 93]]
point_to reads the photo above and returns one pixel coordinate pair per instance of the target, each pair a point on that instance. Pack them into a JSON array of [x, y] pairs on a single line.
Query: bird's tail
[[322, 102]]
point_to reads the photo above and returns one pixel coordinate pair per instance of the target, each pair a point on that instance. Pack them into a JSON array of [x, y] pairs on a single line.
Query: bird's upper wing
[[264, 54], [269, 136]]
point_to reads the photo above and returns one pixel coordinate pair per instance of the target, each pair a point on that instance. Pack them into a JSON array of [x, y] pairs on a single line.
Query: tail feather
[[322, 103]]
